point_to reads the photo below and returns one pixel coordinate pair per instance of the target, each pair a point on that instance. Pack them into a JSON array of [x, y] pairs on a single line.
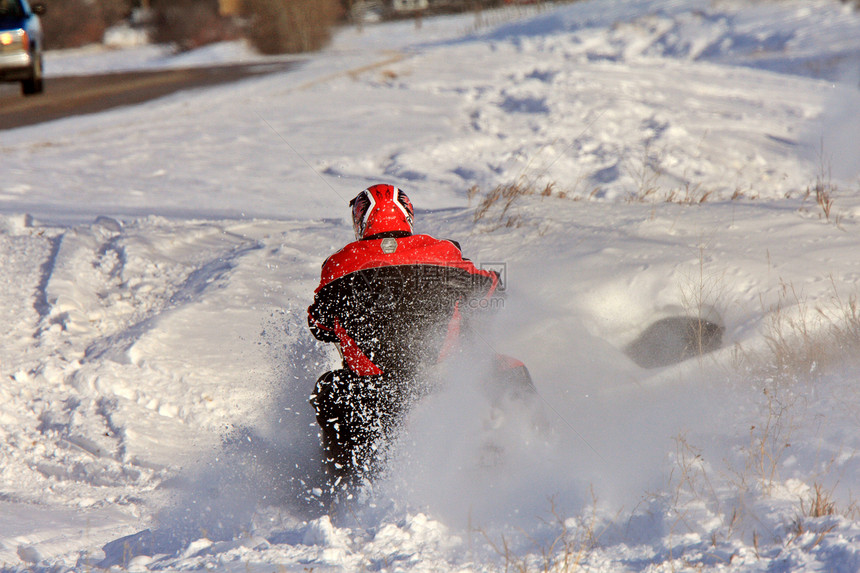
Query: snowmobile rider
[[395, 304]]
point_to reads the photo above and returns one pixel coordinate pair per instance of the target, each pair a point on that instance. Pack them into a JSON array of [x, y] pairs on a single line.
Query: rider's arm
[[317, 323]]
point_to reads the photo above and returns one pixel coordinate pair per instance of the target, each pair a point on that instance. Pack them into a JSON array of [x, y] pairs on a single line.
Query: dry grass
[[824, 189], [688, 478], [647, 171], [804, 341], [702, 292], [824, 198], [564, 553], [496, 205], [689, 194], [819, 504], [770, 439]]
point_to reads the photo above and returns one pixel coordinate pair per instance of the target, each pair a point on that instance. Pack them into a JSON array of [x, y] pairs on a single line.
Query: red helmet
[[381, 209]]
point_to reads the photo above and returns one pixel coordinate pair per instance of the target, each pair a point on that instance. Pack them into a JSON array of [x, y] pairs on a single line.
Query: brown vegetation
[[272, 26], [290, 26], [75, 23], [189, 24]]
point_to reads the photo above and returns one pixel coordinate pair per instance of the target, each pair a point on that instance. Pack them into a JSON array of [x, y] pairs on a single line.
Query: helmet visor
[[404, 202], [361, 207]]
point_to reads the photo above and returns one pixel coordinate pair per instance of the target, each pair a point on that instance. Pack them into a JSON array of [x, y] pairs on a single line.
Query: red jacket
[[395, 301]]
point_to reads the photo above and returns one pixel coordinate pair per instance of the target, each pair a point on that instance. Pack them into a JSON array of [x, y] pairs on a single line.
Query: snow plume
[[271, 461], [471, 452], [287, 423], [596, 436], [628, 430], [523, 465], [833, 146]]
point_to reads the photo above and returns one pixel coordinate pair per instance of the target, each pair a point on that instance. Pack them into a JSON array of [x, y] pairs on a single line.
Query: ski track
[[85, 405]]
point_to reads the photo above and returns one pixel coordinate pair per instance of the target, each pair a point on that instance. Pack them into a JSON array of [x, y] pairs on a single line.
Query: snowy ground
[[157, 261]]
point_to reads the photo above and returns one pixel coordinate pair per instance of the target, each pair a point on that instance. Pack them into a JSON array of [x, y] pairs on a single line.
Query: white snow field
[[660, 159]]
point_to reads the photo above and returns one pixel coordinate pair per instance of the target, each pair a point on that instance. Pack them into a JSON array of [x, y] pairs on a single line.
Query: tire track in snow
[[93, 292], [41, 304], [115, 346]]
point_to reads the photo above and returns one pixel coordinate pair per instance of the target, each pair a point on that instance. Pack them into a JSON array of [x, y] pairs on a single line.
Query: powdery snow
[[158, 261]]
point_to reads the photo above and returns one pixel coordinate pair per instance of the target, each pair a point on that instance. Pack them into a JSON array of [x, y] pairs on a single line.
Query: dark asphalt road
[[74, 95]]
